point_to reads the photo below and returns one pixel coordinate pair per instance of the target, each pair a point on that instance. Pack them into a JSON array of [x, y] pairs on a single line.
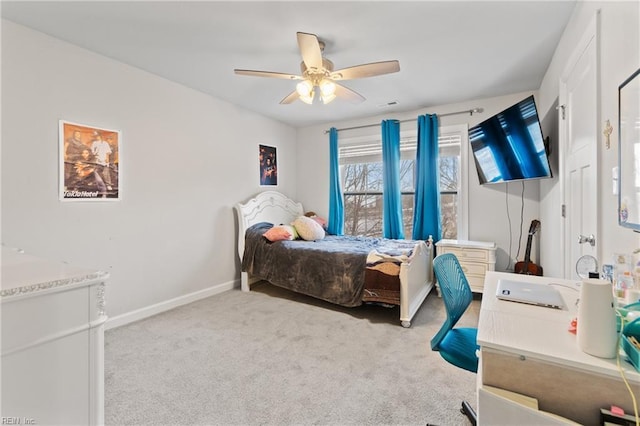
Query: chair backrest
[[455, 291]]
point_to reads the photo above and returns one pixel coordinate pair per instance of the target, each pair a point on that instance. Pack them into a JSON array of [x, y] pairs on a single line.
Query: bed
[[344, 270]]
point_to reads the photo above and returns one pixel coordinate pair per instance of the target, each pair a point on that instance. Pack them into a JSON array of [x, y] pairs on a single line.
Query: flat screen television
[[509, 146]]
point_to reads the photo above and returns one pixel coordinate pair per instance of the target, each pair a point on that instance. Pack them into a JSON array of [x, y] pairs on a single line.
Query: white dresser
[[475, 257], [52, 341]]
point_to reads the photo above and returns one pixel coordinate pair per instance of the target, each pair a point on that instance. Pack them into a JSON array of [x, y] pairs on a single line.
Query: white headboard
[[267, 206]]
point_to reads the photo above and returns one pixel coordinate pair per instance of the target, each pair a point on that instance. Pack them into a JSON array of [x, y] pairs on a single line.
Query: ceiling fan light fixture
[[305, 89], [318, 72], [327, 98], [308, 99], [327, 88]]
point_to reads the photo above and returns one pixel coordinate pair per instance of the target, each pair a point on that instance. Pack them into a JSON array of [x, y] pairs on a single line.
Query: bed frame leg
[[244, 281]]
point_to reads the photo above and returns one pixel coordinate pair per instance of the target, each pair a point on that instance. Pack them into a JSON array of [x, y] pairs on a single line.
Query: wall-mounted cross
[[607, 134]]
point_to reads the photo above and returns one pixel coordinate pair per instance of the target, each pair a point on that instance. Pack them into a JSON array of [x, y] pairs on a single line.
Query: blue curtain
[[426, 207], [335, 223], [391, 196]]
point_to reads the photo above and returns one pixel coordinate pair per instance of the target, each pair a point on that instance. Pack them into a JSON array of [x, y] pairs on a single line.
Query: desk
[[527, 349], [53, 318]]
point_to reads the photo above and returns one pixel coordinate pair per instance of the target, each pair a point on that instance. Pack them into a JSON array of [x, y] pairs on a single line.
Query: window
[[450, 172], [361, 172]]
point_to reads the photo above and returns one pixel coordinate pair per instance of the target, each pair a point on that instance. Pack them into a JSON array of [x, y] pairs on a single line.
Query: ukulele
[[527, 267]]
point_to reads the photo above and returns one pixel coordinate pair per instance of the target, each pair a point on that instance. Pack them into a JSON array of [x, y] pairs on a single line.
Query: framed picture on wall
[[89, 163], [268, 165]]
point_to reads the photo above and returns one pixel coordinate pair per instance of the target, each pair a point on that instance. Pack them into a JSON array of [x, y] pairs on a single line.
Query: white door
[[579, 137]]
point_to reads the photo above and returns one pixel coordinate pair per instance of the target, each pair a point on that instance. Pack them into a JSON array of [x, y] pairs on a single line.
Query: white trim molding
[[167, 305]]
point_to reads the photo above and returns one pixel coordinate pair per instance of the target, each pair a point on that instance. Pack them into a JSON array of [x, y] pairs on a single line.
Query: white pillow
[[292, 230], [308, 229]]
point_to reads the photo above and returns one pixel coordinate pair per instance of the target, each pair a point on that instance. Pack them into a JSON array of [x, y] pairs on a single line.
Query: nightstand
[[475, 257]]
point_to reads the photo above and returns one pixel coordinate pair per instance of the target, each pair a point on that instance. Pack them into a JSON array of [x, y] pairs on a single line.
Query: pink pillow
[[321, 221], [278, 233]]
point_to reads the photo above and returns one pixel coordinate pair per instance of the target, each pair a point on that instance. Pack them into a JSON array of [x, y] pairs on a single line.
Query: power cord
[[506, 198], [521, 220]]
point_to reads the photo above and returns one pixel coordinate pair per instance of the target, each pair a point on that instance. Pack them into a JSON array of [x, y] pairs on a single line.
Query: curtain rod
[[468, 111]]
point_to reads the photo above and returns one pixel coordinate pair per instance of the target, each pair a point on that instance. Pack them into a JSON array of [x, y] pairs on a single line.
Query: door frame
[[591, 34]]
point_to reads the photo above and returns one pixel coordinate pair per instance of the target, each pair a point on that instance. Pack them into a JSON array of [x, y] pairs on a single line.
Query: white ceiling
[[449, 51]]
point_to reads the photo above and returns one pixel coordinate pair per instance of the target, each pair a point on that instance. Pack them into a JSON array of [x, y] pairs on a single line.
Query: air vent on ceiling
[[388, 104]]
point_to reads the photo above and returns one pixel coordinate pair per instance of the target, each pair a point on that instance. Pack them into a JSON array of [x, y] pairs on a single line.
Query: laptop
[[530, 293]]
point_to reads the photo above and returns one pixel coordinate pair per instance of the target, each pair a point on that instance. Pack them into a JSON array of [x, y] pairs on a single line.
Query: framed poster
[[268, 165], [89, 163]]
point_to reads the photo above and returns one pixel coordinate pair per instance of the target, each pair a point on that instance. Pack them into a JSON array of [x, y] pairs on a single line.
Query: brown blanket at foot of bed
[[382, 283]]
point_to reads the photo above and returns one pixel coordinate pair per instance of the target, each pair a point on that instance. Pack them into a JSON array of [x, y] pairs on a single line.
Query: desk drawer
[[548, 382], [500, 407]]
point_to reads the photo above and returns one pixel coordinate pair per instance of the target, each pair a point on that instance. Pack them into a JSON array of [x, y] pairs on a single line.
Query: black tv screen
[[509, 146]]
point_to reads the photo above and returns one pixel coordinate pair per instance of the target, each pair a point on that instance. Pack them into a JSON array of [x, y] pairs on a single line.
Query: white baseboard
[[167, 305]]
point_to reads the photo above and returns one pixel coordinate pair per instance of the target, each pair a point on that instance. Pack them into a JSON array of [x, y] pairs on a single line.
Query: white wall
[[487, 204], [619, 51], [186, 159]]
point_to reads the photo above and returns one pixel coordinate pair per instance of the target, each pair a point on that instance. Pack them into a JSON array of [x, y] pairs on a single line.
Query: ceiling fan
[[318, 73]]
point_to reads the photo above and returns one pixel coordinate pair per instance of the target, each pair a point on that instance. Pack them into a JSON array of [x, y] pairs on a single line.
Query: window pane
[[407, 176], [449, 208], [374, 177], [407, 215], [363, 215], [449, 166], [354, 177]]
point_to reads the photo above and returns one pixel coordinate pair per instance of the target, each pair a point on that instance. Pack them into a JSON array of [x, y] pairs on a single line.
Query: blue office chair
[[456, 345]]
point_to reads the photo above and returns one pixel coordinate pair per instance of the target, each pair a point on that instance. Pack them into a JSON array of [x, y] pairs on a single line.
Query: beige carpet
[[271, 357]]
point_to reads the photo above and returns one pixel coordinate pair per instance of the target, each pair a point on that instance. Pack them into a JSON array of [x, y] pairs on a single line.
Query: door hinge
[[564, 210], [562, 109]]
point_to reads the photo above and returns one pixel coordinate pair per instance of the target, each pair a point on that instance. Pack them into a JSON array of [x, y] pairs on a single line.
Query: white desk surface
[[540, 332]]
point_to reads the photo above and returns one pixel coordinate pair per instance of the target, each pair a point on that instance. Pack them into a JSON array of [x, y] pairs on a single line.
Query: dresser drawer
[[476, 283], [464, 253], [472, 268], [42, 317]]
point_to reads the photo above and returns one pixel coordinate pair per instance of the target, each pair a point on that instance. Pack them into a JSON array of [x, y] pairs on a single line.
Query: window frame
[[463, 184]]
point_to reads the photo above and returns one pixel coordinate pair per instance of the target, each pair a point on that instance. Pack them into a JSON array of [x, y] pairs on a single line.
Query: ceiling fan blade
[[366, 70], [348, 94], [291, 97], [268, 74], [310, 50]]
